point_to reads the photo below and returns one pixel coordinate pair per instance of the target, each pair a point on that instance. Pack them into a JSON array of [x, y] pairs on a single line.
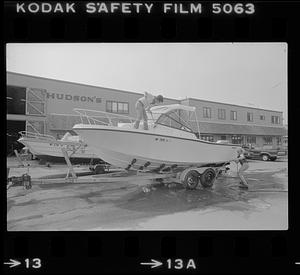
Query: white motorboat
[[48, 148], [171, 141]]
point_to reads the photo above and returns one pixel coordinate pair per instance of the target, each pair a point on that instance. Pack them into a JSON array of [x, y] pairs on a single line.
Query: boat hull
[[51, 151], [56, 159], [121, 147]]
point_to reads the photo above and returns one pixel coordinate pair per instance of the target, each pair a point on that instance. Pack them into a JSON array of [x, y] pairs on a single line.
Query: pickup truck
[[265, 152]]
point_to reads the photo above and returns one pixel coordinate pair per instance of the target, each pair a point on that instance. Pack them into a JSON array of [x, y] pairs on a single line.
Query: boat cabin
[[173, 119]]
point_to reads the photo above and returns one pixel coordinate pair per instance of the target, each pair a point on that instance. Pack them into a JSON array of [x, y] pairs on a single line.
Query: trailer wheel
[[208, 177], [191, 180]]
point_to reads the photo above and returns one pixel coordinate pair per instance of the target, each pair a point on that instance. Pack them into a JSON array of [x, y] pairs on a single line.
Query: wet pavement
[[124, 206]]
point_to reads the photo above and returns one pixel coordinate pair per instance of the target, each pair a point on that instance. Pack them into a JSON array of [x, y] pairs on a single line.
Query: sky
[[248, 74]]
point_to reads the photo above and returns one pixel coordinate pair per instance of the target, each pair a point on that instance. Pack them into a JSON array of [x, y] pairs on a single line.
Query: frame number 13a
[[181, 264]]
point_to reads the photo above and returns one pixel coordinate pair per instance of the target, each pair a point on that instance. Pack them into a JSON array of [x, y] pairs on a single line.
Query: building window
[[249, 116], [278, 141], [108, 106], [117, 107], [206, 112], [285, 141], [251, 140], [123, 108], [236, 139], [114, 107], [221, 114], [207, 138], [262, 117], [223, 137], [233, 115], [268, 140], [275, 120]]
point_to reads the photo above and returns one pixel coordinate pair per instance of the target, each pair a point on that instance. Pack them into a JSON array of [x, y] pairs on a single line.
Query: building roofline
[[135, 93], [197, 99], [82, 84]]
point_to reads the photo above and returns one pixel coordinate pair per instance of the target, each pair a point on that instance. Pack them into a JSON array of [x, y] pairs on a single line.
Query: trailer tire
[[208, 177], [191, 180]]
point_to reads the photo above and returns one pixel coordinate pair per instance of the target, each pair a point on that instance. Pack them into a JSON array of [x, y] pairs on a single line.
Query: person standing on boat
[[241, 159], [144, 104]]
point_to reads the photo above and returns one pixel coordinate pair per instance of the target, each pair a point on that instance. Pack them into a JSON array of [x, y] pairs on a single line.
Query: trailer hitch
[[24, 180]]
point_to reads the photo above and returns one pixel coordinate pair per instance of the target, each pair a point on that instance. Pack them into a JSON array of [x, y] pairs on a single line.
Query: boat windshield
[[177, 119]]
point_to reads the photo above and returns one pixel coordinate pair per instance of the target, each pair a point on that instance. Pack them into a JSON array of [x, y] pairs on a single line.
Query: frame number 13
[[33, 263]]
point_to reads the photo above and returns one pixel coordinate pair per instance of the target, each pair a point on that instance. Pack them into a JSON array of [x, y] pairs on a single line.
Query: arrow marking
[[13, 263], [153, 263]]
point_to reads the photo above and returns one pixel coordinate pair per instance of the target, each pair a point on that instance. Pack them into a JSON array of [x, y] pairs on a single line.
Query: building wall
[[258, 139], [62, 97], [240, 110]]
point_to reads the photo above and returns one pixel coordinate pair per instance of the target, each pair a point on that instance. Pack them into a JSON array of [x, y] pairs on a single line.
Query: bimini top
[[163, 109], [170, 116]]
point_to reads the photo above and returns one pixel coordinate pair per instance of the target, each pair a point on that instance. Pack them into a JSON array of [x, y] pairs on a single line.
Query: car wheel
[[265, 157]]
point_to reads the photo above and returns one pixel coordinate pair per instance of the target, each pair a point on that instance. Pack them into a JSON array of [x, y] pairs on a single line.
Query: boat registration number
[[162, 139]]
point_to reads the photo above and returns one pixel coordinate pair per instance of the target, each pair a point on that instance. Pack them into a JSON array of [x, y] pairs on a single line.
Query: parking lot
[[125, 206]]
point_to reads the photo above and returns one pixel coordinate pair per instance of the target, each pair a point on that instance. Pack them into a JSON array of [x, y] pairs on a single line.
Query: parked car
[[265, 152]]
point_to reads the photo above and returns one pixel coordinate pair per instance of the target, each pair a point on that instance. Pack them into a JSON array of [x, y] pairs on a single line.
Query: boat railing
[[93, 117], [36, 135]]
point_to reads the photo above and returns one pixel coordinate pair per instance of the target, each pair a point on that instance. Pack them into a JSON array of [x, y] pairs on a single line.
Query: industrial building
[[44, 105]]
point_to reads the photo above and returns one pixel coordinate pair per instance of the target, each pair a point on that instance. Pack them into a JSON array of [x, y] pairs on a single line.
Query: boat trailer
[[190, 177]]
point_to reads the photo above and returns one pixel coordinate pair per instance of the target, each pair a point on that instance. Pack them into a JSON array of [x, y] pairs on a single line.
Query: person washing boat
[[241, 159], [144, 104]]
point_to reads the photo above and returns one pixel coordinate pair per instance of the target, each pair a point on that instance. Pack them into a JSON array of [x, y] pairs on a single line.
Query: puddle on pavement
[[165, 200]]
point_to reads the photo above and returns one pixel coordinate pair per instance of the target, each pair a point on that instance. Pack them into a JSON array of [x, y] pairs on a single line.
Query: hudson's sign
[[81, 98]]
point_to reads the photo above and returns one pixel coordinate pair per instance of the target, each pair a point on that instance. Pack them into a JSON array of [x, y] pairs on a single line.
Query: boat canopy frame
[[93, 116], [27, 134], [185, 125]]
